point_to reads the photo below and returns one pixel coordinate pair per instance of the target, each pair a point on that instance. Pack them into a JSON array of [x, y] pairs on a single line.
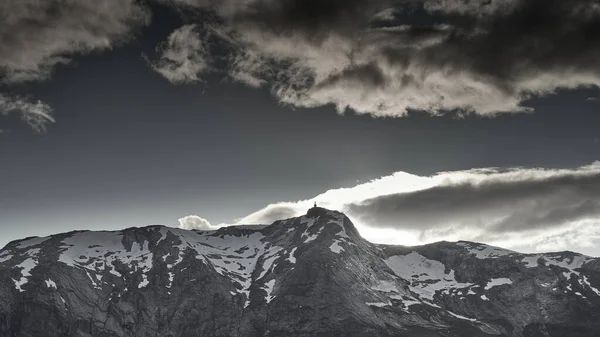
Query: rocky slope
[[307, 276]]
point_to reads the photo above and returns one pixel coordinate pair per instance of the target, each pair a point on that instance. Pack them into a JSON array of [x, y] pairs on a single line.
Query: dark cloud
[[502, 203], [312, 19], [484, 57], [379, 57], [472, 7], [36, 35]]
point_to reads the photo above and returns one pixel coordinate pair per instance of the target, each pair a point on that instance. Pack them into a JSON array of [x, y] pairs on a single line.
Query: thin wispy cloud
[[36, 113], [184, 56]]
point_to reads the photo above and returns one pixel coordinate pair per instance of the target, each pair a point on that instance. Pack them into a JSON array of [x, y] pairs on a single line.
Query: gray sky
[[146, 134]]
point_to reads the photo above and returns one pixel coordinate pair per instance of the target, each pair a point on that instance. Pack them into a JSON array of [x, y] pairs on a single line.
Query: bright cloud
[[191, 222], [535, 209]]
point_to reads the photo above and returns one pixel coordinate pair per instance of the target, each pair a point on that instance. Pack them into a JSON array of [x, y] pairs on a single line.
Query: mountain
[[308, 276]]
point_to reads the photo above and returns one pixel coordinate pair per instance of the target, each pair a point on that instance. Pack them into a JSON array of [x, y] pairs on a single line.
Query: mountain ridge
[[312, 275]]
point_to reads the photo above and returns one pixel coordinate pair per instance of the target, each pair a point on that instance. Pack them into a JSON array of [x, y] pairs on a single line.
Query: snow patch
[[570, 264], [171, 277], [268, 262], [497, 282], [291, 257], [32, 242], [310, 237], [335, 247], [406, 301], [379, 304], [531, 261], [462, 317], [386, 286], [341, 236], [427, 276], [586, 282], [98, 252], [235, 257], [26, 267], [269, 289], [482, 251], [5, 256], [307, 221], [144, 282], [50, 283], [164, 231]]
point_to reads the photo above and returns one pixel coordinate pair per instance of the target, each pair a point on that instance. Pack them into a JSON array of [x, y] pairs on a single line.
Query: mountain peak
[[315, 212], [309, 275], [319, 216]]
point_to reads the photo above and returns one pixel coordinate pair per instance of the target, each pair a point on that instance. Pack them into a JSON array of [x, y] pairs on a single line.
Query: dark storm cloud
[[485, 57], [378, 57], [472, 7], [512, 203]]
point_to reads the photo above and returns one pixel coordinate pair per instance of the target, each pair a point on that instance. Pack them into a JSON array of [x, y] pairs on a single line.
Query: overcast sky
[[422, 120]]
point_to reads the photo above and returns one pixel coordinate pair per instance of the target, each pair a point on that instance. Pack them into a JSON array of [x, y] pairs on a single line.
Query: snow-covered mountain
[[307, 276]]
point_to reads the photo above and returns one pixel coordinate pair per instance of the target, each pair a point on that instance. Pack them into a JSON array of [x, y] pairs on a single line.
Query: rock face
[[307, 276]]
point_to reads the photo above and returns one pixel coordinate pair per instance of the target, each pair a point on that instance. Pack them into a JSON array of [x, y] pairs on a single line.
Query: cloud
[[538, 208], [36, 35], [274, 212], [517, 201], [386, 58], [36, 113], [473, 7], [378, 57], [184, 56], [192, 222]]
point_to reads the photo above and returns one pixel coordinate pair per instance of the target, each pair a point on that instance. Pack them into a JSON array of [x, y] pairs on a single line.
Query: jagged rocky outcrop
[[307, 276]]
